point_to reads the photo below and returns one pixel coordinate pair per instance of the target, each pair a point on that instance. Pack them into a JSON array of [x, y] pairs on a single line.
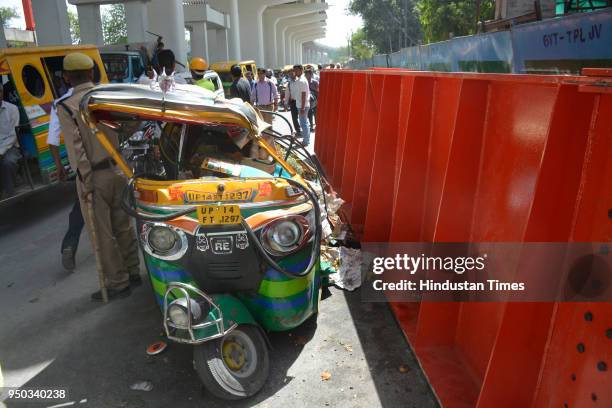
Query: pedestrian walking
[[240, 87], [70, 243], [301, 94], [9, 145], [265, 95], [250, 80], [271, 77], [313, 86], [99, 186], [291, 102]]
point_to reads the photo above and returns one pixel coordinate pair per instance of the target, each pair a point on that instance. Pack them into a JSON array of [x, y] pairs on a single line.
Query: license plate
[[219, 214]]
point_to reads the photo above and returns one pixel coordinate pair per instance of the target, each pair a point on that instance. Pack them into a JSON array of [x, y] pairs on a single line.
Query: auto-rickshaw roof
[[185, 104], [63, 49], [225, 66]]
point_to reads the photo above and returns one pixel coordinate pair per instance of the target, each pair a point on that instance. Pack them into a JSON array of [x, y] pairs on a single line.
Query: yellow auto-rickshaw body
[[32, 80], [223, 68]]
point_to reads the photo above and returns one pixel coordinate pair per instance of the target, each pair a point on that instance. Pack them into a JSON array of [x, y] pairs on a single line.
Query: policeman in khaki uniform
[[100, 183]]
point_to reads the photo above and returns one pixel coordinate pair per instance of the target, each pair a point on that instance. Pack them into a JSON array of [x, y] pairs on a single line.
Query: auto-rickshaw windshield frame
[[186, 104]]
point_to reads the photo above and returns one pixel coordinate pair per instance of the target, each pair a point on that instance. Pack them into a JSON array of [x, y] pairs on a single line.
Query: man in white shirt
[[71, 239], [9, 146], [290, 101], [300, 92]]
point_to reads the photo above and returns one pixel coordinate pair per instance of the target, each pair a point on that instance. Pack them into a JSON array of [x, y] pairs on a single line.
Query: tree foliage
[[388, 24], [75, 29], [443, 19], [361, 48], [114, 25], [393, 24], [7, 14]]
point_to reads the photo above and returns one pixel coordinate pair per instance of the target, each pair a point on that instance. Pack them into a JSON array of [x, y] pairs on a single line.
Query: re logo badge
[[222, 245]]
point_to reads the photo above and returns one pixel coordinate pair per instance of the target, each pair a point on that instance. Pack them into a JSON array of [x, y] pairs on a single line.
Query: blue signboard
[[564, 44]]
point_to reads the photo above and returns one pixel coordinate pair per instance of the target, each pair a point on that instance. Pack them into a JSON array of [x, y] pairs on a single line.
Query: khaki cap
[[77, 61]]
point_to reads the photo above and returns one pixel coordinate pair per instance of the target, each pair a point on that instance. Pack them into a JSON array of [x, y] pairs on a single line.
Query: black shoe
[[112, 294], [135, 280], [68, 258]]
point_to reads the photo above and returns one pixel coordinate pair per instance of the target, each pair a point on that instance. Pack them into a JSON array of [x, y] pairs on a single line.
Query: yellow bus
[[32, 79]]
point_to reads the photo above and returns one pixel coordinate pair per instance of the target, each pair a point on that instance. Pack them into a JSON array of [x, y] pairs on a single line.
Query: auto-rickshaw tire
[[218, 378]]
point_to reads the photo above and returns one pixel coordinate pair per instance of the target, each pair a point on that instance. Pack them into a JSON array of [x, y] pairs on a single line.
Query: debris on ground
[[333, 202], [142, 386], [325, 375], [330, 258], [156, 348], [349, 272], [403, 369]]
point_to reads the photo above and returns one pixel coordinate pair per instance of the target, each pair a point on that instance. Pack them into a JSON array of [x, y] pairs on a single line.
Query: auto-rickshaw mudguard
[[234, 312]]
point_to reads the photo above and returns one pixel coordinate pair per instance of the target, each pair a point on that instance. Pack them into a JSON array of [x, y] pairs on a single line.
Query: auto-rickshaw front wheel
[[235, 366]]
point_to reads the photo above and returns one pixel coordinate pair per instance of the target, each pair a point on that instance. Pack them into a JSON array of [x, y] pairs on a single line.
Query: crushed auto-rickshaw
[[231, 241]]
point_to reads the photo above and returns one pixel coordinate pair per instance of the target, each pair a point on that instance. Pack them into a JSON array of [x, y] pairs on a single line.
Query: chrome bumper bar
[[188, 292]]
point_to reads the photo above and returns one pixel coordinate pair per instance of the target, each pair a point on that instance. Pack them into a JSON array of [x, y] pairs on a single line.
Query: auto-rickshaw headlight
[[285, 235], [177, 311], [162, 239]]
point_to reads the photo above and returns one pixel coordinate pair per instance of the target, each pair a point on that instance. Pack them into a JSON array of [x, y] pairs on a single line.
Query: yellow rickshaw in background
[[223, 68], [31, 80]]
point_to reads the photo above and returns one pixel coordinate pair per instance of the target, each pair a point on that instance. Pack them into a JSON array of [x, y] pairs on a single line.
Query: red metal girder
[[363, 175], [381, 196], [409, 200], [353, 136], [343, 115]]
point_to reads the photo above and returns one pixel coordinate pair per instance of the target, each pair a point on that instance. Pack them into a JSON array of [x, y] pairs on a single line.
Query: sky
[[339, 23]]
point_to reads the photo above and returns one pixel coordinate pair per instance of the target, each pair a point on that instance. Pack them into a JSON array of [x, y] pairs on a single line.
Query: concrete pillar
[[137, 19], [283, 32], [273, 15], [213, 46], [167, 19], [90, 24], [224, 42], [52, 26], [234, 32], [2, 38], [300, 39], [251, 28], [292, 49], [199, 40]]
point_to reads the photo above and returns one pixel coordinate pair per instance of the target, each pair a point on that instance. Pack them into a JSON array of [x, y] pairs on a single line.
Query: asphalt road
[[53, 336]]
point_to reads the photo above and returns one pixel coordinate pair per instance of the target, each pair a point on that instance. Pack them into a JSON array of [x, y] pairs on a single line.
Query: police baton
[[96, 247]]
